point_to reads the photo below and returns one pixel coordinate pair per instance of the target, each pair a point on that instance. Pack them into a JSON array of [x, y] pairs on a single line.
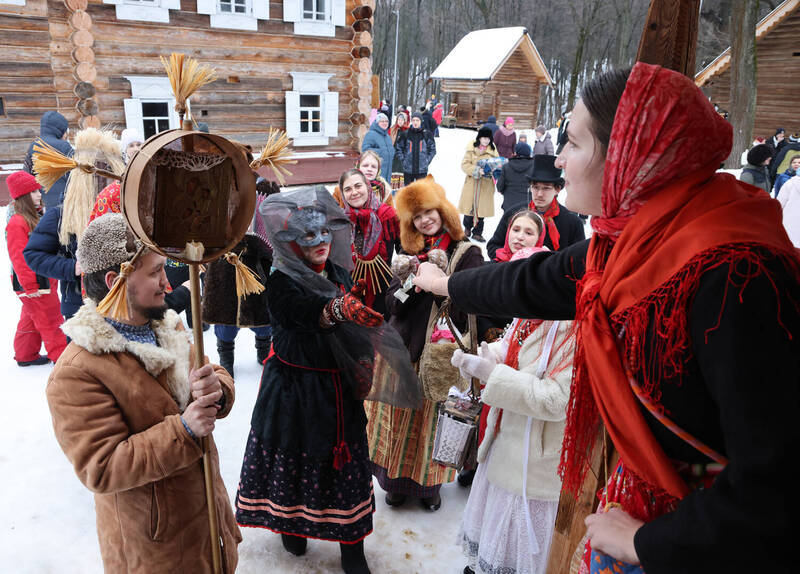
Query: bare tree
[[744, 17]]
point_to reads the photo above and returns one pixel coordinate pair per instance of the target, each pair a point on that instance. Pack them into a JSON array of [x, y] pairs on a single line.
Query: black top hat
[[545, 170]]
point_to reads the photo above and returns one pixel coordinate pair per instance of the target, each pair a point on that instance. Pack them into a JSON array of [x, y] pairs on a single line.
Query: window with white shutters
[[234, 14], [144, 10], [312, 111], [315, 17]]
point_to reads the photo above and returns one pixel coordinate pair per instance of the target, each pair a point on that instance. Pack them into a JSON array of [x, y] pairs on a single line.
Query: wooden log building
[[301, 65], [495, 72], [778, 70]]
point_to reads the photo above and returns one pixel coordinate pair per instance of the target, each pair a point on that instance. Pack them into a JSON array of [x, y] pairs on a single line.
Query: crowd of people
[[653, 330]]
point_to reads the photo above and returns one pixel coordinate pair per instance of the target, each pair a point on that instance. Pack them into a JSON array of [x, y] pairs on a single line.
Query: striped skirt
[[292, 493], [401, 442]]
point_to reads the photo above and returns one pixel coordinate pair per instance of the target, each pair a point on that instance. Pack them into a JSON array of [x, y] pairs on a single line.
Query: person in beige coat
[[129, 410], [509, 518], [477, 195]]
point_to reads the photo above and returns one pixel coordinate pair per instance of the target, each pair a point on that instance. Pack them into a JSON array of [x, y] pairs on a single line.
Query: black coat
[[221, 306], [569, 225], [296, 405], [53, 126], [428, 122], [739, 394], [415, 148], [513, 183]]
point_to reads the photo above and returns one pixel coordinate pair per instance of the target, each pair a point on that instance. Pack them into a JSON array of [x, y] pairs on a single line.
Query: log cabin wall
[[777, 95], [516, 90], [26, 78], [253, 68]]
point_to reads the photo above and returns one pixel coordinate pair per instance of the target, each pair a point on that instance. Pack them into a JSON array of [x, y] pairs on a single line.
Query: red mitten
[[350, 308]]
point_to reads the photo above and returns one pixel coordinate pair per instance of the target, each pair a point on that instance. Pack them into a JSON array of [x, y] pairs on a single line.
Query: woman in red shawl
[[376, 234], [688, 323]]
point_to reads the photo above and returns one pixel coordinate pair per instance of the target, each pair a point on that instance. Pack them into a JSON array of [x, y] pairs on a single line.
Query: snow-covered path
[[47, 523]]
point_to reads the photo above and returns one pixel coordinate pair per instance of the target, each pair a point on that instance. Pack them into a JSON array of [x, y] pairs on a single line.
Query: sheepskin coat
[[116, 408], [521, 394], [483, 185]]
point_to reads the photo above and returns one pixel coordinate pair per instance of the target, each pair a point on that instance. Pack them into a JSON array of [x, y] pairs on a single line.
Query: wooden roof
[[481, 54], [722, 62]]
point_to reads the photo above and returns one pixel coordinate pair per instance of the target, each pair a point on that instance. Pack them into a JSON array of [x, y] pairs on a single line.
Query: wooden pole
[[199, 357], [669, 38]]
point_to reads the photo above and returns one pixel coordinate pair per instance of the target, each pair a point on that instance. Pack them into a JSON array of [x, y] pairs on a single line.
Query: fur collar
[[88, 329]]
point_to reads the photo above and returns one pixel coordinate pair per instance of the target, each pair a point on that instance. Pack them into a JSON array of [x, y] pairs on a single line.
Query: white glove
[[472, 365], [490, 353]]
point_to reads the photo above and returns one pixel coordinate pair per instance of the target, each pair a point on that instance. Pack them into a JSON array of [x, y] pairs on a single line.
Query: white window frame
[[13, 2], [148, 89], [335, 15], [256, 10], [310, 110], [157, 118], [136, 10], [312, 84]]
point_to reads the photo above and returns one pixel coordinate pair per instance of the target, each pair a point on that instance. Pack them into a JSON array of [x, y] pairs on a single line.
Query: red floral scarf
[[657, 235]]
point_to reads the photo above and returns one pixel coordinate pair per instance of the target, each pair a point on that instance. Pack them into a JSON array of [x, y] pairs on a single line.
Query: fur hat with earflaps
[[424, 194]]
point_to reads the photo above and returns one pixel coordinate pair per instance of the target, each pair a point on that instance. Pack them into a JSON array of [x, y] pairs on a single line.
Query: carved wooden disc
[[365, 65], [361, 52], [369, 3], [85, 72], [364, 107], [365, 91], [76, 4], [362, 12], [84, 90], [80, 20], [87, 107], [83, 54], [363, 39], [82, 38]]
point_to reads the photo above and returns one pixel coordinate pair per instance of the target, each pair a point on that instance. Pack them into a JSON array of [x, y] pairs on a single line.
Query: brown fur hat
[[424, 194]]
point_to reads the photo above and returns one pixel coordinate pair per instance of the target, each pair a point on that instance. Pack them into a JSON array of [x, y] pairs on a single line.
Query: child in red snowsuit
[[41, 317]]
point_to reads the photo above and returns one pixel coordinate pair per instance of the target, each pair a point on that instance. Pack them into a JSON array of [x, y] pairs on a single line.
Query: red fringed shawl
[[655, 239]]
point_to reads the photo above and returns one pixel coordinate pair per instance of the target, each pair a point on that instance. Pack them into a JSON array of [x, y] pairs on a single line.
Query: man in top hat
[[129, 410], [562, 227]]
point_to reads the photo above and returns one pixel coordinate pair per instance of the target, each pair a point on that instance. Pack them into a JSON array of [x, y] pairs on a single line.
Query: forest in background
[[576, 39]]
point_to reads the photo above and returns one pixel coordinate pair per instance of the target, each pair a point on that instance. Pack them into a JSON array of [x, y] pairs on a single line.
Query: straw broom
[[186, 76], [276, 154], [50, 165]]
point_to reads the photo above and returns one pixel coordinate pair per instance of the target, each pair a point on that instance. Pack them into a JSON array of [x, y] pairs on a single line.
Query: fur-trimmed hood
[[89, 330], [424, 194]]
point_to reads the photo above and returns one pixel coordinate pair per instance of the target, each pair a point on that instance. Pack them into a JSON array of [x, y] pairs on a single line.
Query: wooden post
[[570, 529], [194, 251], [669, 38]]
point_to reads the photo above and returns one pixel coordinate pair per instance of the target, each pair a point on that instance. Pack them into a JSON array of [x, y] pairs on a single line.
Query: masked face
[[307, 228]]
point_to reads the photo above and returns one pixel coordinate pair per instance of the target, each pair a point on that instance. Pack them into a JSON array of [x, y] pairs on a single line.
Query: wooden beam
[[669, 38]]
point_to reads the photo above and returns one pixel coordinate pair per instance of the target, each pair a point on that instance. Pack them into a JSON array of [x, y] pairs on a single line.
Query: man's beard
[[154, 313]]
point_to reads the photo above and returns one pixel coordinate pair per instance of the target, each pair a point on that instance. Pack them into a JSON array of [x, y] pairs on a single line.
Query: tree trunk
[[744, 17], [576, 68]]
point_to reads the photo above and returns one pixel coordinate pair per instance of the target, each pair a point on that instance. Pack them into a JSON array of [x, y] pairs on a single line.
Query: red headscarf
[[667, 218]]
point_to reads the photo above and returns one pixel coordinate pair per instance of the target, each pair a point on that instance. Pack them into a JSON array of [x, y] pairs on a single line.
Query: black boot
[[225, 350], [262, 349], [353, 559], [465, 477], [294, 544]]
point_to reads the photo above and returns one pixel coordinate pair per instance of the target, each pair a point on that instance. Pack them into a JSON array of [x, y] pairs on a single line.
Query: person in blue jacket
[[378, 139], [53, 128], [45, 255]]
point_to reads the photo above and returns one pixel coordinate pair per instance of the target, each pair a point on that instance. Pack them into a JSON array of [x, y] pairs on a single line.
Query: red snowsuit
[[41, 319]]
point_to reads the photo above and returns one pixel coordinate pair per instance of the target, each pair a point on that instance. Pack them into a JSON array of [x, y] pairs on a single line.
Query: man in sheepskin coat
[[129, 410]]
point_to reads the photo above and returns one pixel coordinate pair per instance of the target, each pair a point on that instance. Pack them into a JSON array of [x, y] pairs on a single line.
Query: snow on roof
[[479, 54]]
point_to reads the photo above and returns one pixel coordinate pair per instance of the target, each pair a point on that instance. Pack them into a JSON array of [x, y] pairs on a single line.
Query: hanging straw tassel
[[50, 165], [115, 304], [186, 76], [246, 280], [276, 154]]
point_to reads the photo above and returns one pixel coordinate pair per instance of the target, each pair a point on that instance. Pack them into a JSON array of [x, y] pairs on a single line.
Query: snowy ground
[[47, 522]]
